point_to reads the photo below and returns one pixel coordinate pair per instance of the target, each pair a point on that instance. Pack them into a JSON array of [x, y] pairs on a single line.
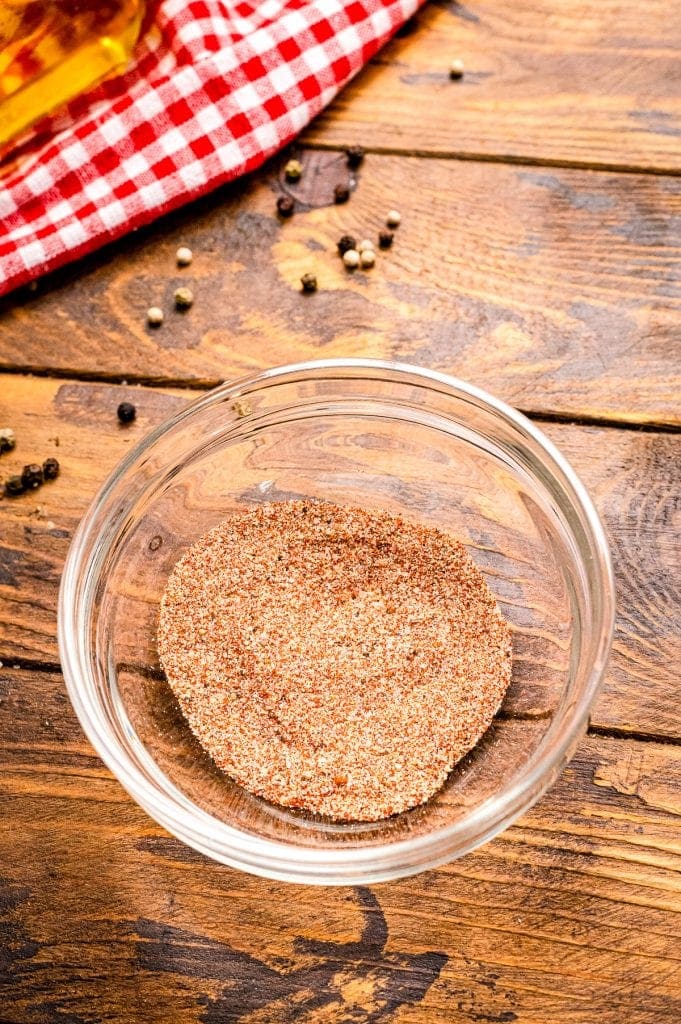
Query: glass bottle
[[51, 51]]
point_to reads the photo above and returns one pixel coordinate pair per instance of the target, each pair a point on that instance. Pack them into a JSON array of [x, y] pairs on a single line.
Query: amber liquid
[[50, 52]]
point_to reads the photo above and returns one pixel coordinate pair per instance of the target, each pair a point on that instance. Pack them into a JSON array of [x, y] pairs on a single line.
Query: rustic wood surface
[[568, 916], [593, 84], [634, 477], [556, 287], [553, 288]]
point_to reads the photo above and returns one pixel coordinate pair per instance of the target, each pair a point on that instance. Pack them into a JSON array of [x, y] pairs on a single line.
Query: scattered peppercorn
[[285, 206], [242, 407], [341, 194], [154, 316], [309, 283], [367, 258], [385, 239], [293, 170], [351, 259], [365, 244], [393, 219], [456, 69], [345, 243], [355, 155], [14, 486], [8, 439], [32, 476], [184, 298], [50, 469], [126, 412], [184, 256]]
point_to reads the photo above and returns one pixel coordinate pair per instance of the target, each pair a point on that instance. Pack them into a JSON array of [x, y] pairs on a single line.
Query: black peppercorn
[[341, 194], [50, 469], [345, 243], [14, 486], [385, 239], [126, 412], [285, 206], [309, 283], [32, 476], [355, 155]]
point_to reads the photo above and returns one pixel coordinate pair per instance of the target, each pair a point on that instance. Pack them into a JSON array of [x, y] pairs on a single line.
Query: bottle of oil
[[51, 51]]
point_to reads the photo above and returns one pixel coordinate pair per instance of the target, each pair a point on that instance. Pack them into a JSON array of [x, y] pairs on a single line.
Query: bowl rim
[[345, 864]]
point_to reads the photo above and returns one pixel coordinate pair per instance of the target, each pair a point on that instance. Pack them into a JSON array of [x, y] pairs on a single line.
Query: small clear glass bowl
[[377, 435]]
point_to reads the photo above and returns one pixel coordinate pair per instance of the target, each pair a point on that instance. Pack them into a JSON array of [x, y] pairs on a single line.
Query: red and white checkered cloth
[[217, 86]]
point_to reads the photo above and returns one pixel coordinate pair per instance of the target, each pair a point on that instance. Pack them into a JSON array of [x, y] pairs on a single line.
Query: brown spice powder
[[333, 659]]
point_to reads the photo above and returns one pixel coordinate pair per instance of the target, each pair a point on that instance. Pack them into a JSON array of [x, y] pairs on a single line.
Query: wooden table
[[538, 257]]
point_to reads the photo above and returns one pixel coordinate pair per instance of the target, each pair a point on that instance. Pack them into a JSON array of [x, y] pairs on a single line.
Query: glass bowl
[[359, 432]]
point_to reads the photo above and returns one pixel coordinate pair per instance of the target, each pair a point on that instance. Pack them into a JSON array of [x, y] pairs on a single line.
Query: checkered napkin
[[216, 87]]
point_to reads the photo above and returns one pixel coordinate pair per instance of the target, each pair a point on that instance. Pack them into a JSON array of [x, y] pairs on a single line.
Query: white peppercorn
[[154, 316], [351, 259], [293, 170], [8, 439], [184, 298], [456, 69]]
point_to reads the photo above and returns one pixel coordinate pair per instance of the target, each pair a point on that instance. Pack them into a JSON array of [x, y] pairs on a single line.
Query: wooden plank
[[580, 83], [557, 290], [570, 916], [634, 478]]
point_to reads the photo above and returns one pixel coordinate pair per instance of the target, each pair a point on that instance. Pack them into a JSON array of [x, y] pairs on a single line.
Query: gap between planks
[[518, 160], [199, 386]]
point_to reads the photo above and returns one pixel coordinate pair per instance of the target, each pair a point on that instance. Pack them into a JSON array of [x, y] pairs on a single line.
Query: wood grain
[[579, 83], [569, 917], [635, 480], [557, 290]]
